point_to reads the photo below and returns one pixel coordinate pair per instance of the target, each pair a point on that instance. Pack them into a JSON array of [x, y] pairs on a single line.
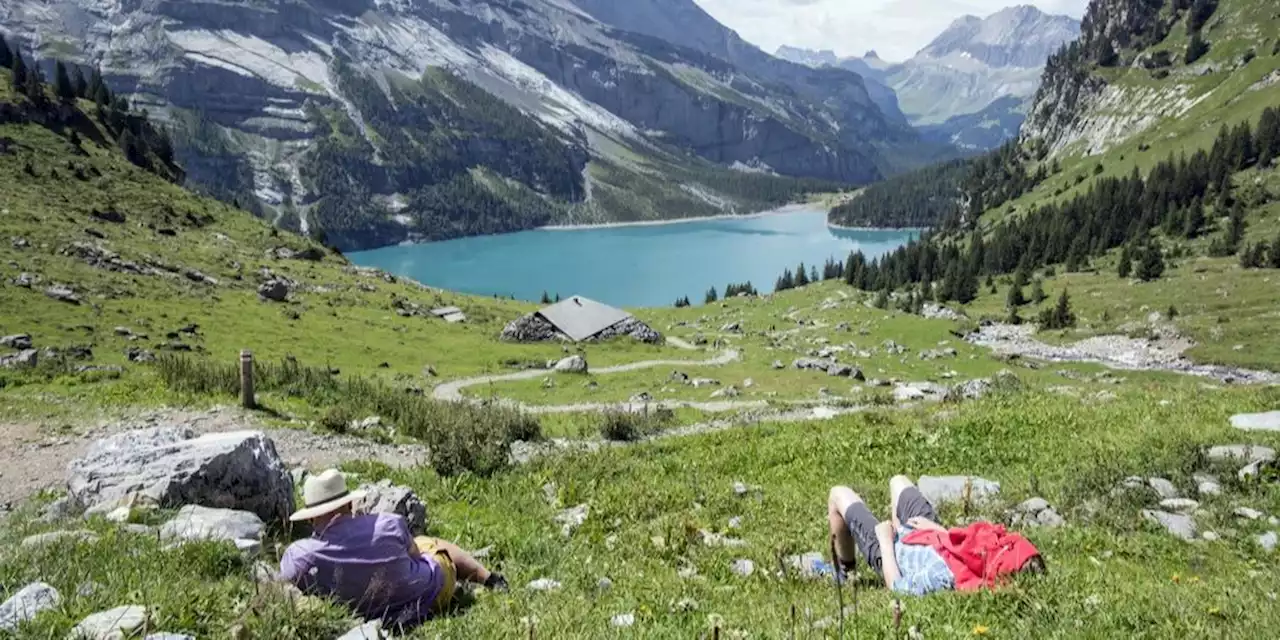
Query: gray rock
[[777, 364], [604, 584], [732, 327], [62, 293], [167, 466], [1247, 513], [26, 604], [1033, 505], [743, 567], [1251, 471], [1240, 453], [1050, 518], [543, 584], [809, 565], [677, 376], [712, 539], [572, 364], [1269, 421], [1179, 505], [1178, 524], [727, 392], [113, 624], [572, 518], [641, 398], [1268, 541], [843, 370], [17, 342], [1210, 536], [164, 635], [275, 290], [56, 537], [904, 393], [57, 511], [26, 358], [195, 522], [1163, 487], [685, 605], [385, 497], [939, 489], [623, 620], [1208, 488], [371, 630], [704, 382]]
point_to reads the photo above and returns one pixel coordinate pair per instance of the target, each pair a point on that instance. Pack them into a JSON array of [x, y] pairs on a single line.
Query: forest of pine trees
[[144, 144]]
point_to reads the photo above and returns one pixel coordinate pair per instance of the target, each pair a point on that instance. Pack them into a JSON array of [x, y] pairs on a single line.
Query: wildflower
[[1177, 578], [980, 630]]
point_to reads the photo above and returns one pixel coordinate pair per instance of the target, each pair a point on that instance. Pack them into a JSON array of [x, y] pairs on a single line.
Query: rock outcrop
[[171, 468]]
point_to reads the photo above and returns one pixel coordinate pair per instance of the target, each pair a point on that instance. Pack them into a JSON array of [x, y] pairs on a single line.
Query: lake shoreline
[[832, 225], [781, 211]]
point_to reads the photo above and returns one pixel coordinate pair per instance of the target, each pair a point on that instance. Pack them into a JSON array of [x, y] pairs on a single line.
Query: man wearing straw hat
[[371, 562]]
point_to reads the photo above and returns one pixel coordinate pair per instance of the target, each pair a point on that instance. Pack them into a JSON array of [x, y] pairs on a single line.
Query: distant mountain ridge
[[958, 87]]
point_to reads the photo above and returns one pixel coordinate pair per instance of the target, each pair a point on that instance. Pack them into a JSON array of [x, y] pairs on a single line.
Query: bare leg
[[469, 569], [838, 502], [896, 486]]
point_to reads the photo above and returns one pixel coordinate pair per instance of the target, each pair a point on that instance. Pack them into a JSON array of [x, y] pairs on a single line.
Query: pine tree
[[1060, 316], [1151, 264], [1037, 291], [62, 82], [1106, 53], [1193, 221], [813, 274], [6, 54], [1196, 48], [1268, 136], [1254, 256], [546, 299], [558, 297], [882, 299], [801, 276], [1126, 263], [79, 82], [1015, 299], [711, 296]]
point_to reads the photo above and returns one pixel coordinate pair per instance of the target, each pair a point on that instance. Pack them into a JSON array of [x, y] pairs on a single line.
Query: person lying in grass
[[925, 556], [371, 562]]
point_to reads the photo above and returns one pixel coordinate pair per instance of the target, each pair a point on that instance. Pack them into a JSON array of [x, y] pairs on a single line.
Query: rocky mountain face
[[958, 88], [366, 119]]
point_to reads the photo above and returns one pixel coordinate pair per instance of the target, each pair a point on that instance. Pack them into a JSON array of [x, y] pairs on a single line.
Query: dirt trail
[[452, 391], [1116, 352]]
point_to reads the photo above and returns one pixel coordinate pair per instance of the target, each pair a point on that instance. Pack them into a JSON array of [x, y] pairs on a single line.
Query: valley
[[1082, 340]]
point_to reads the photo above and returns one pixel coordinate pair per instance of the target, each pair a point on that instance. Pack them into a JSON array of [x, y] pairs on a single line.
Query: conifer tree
[[1196, 48], [1126, 263], [882, 299], [558, 296], [1015, 299], [1060, 316], [62, 82], [801, 276], [1151, 263], [1268, 136], [813, 273], [546, 299], [1254, 256], [1037, 291], [19, 72], [711, 296], [79, 82], [1273, 256]]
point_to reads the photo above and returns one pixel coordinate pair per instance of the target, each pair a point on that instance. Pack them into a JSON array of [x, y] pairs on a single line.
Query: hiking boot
[[496, 582]]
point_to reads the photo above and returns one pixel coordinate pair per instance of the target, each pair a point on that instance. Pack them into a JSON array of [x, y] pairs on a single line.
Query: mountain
[[956, 88], [372, 122]]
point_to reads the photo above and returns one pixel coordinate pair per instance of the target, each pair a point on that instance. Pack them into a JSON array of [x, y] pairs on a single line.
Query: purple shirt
[[363, 562]]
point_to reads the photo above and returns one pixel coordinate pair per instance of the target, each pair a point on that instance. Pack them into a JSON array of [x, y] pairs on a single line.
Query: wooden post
[[246, 380]]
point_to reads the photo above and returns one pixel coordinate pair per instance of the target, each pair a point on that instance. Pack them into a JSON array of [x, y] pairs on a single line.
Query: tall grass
[[461, 436]]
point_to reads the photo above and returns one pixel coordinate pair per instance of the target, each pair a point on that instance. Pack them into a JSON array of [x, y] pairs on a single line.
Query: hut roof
[[580, 318]]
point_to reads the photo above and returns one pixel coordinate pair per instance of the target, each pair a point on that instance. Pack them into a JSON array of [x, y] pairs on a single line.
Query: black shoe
[[495, 582]]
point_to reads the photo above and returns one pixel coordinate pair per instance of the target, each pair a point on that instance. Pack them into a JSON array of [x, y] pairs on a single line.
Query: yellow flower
[[1215, 611], [980, 630], [1177, 578], [1195, 579]]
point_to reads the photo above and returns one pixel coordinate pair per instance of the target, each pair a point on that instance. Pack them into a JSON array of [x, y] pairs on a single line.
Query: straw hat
[[323, 494]]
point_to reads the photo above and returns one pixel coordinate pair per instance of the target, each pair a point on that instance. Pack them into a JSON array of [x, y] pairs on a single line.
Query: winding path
[[452, 391]]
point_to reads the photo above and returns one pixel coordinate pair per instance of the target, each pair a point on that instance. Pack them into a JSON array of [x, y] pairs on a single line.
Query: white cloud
[[896, 29]]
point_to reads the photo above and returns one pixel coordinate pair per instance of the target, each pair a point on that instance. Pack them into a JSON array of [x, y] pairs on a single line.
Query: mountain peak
[[871, 54], [1018, 36]]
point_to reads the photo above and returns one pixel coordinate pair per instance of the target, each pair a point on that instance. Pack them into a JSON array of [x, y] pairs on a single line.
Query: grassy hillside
[[1065, 432]]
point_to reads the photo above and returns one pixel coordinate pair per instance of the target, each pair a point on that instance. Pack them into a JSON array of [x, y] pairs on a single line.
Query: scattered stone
[[1209, 488], [371, 630], [57, 511], [26, 280], [1210, 536], [17, 342], [110, 215], [641, 398], [1163, 487], [604, 584], [735, 522], [171, 468], [137, 354], [727, 392], [704, 382], [1250, 471], [677, 376], [385, 497], [26, 359], [810, 566], [275, 290], [113, 624], [732, 327], [748, 383], [743, 567], [842, 370], [939, 489], [1050, 518], [907, 394], [55, 537], [686, 605], [1268, 541], [1240, 453], [1179, 505], [623, 620], [1247, 513], [62, 293], [1033, 505], [572, 364], [777, 364], [196, 523], [1269, 421], [572, 518], [712, 539], [26, 603], [543, 584], [1177, 524]]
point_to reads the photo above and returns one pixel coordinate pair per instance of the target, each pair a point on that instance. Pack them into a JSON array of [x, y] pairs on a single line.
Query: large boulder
[[939, 489], [112, 624], [1269, 421], [195, 522], [26, 603], [171, 467], [572, 364], [385, 497]]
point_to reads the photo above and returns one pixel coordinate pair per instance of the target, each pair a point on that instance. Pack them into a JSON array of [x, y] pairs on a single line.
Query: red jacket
[[979, 555]]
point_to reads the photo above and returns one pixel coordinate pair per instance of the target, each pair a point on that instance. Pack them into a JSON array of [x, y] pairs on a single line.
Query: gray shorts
[[862, 523]]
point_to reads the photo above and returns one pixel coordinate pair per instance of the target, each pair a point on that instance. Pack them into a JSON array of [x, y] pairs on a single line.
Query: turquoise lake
[[633, 266]]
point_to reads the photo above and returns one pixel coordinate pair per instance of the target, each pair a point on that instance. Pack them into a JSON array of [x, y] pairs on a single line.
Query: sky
[[895, 29]]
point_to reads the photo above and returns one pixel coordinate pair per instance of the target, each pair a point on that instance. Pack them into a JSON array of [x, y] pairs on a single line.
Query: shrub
[[337, 419], [628, 426]]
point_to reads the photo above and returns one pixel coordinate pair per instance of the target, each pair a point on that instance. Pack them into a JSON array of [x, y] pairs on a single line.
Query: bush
[[628, 426], [461, 436]]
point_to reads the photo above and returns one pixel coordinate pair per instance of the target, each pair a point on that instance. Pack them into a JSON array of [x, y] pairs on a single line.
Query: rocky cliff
[[362, 117]]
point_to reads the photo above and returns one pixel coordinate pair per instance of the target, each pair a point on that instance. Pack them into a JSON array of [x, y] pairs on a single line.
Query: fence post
[[246, 380]]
